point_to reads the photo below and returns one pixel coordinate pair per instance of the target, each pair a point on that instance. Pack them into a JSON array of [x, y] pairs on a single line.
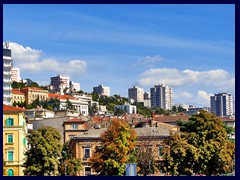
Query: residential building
[[7, 80], [74, 86], [32, 93], [79, 107], [55, 81], [222, 104], [102, 90], [14, 140], [73, 127], [39, 113], [195, 110], [233, 97], [85, 144], [17, 96], [15, 74], [136, 94], [147, 99], [130, 109], [161, 96]]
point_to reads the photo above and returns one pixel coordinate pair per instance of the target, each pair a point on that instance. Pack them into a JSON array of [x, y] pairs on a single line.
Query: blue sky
[[191, 48]]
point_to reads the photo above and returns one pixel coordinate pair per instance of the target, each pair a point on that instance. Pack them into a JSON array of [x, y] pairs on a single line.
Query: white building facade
[[102, 90], [15, 74], [7, 80], [136, 94], [222, 104], [130, 109], [161, 96], [75, 86], [56, 81]]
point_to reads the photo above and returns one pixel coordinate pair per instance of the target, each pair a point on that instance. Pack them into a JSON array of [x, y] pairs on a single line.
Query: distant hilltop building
[[102, 90], [56, 81], [161, 96], [7, 80], [136, 94], [74, 86], [222, 104], [15, 74]]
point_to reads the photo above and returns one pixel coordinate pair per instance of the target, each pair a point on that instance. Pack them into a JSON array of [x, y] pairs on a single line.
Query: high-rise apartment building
[[222, 104], [15, 74], [102, 90], [56, 81], [136, 94], [161, 96], [75, 86], [147, 99], [7, 81]]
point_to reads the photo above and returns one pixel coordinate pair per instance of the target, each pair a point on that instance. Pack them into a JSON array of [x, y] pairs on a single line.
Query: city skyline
[[190, 48]]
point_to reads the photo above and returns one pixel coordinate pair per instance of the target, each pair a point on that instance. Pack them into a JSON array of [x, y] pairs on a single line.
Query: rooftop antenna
[[6, 44]]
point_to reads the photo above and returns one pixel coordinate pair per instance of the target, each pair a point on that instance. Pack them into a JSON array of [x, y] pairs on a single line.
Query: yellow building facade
[[32, 93], [18, 96], [14, 140]]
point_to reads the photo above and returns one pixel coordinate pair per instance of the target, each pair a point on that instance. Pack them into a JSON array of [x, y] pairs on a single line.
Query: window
[[86, 152], [9, 122], [9, 138], [10, 172], [24, 141], [10, 155], [74, 126], [87, 171], [160, 150]]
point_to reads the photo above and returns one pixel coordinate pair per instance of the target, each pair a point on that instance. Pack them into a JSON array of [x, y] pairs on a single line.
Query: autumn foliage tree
[[118, 143], [202, 147]]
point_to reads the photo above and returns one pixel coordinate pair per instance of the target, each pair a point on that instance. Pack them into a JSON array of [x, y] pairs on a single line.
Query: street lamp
[[65, 168]]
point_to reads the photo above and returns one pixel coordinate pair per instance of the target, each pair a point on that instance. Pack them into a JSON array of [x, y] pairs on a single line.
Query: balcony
[[7, 88], [6, 73], [7, 95], [7, 81], [7, 65]]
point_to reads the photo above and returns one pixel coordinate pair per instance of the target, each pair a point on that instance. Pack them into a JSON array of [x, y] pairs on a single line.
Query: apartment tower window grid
[[136, 94], [7, 80], [56, 81], [222, 104], [161, 96]]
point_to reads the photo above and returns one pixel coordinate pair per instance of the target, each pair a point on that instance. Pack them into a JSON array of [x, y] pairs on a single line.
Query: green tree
[[92, 109], [43, 157], [202, 147], [69, 165], [119, 111], [118, 143], [69, 104]]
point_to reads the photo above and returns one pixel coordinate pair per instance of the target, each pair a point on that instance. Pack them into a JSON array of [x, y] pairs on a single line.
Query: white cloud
[[200, 98], [29, 60], [24, 54], [70, 67], [149, 60], [185, 95], [203, 97], [218, 78]]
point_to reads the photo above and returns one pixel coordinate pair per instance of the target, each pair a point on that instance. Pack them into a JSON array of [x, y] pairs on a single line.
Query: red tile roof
[[75, 120], [171, 118], [10, 108], [59, 96], [16, 91], [32, 88]]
